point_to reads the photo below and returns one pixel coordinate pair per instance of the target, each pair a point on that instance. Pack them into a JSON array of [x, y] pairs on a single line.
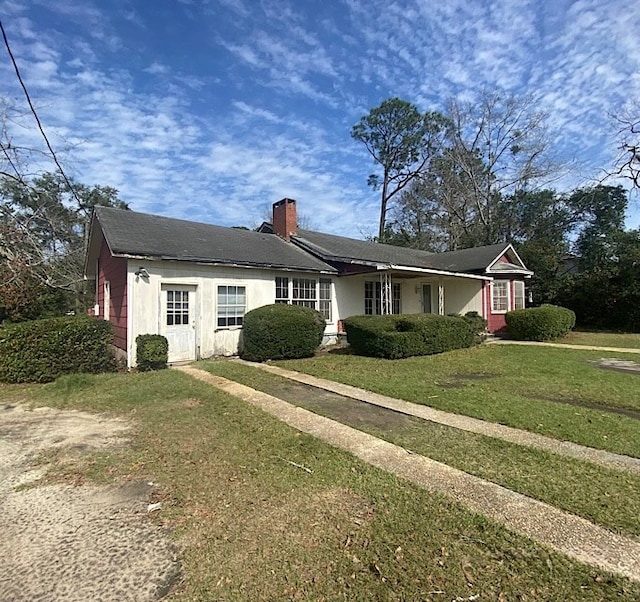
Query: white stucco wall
[[146, 306], [460, 295], [146, 309]]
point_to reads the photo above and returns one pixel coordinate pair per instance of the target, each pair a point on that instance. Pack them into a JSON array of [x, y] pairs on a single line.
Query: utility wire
[[33, 110]]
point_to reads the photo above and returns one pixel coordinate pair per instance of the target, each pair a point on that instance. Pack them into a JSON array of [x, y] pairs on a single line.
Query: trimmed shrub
[[542, 323], [477, 323], [41, 350], [281, 331], [406, 335], [152, 352]]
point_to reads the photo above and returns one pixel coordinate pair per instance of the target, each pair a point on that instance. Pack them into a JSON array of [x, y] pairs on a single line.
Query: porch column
[[386, 296], [441, 297]]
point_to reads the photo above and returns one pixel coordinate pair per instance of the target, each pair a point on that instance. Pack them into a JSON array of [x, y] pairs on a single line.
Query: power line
[[33, 110]]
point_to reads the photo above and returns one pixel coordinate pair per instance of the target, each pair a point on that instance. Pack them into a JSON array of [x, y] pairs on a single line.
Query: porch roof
[[329, 247]]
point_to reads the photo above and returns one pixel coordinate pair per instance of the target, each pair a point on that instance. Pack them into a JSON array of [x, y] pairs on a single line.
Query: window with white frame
[[177, 307], [518, 294], [307, 292], [304, 292], [232, 305], [500, 296], [282, 290], [324, 298], [373, 298]]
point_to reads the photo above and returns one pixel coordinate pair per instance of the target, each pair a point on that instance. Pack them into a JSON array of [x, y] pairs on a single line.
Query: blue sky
[[212, 110]]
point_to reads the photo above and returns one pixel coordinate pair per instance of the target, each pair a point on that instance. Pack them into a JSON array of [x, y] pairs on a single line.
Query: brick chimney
[[285, 220]]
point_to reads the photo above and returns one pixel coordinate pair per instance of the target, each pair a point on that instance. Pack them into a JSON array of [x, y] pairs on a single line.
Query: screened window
[[282, 290], [324, 298], [500, 296], [177, 307], [518, 294], [304, 292], [373, 298], [232, 304]]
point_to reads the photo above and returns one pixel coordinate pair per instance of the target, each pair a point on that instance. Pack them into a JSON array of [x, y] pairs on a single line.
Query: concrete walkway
[[566, 533], [465, 423], [563, 346]]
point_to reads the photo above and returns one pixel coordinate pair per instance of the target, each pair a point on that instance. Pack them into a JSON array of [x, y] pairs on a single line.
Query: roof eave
[[236, 264], [435, 272]]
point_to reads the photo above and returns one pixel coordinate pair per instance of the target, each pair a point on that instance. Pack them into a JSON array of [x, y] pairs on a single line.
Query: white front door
[[179, 316]]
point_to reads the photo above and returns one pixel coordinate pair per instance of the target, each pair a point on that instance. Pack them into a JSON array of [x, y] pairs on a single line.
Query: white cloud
[[157, 69], [267, 110]]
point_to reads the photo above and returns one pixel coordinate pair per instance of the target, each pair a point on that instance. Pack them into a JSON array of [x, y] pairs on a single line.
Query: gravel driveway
[[61, 542]]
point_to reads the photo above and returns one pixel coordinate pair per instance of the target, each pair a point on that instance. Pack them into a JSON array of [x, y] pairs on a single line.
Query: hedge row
[[406, 335], [542, 323], [280, 331], [41, 350]]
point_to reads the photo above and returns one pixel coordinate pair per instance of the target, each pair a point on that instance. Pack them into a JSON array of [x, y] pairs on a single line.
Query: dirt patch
[[459, 380], [61, 542], [613, 363], [592, 405]]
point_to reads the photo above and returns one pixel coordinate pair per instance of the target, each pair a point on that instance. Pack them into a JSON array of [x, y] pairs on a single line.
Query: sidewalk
[[465, 423], [566, 533], [563, 346]]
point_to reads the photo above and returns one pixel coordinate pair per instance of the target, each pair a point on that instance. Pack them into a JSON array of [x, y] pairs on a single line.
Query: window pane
[[518, 301], [500, 295], [177, 307], [231, 305]]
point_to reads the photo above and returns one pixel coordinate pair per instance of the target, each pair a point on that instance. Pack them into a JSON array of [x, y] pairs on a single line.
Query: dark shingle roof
[[338, 248], [469, 260], [141, 234]]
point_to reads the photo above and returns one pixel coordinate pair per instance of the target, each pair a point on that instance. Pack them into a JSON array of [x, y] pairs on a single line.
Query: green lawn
[[607, 497], [603, 339], [252, 526], [539, 389]]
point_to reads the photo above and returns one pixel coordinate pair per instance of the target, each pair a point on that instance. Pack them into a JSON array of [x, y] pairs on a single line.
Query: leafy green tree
[[599, 217], [539, 223], [605, 292], [402, 141], [43, 232]]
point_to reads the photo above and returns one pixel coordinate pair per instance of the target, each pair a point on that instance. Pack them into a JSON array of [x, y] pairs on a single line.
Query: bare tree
[[498, 146], [627, 163]]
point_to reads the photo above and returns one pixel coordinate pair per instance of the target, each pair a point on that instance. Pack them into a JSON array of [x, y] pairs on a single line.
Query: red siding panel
[[497, 323], [113, 270]]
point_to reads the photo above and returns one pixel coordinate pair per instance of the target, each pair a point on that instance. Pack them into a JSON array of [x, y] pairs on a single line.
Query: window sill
[[219, 328]]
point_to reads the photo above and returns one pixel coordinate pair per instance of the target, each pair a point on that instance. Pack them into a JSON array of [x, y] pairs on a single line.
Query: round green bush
[[152, 352], [281, 331], [406, 335], [543, 323]]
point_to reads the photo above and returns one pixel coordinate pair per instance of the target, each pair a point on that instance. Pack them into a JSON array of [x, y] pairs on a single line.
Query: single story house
[[193, 282]]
